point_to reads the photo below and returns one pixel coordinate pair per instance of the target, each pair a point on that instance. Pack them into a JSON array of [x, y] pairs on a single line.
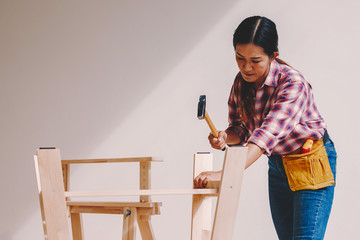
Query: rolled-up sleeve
[[290, 104], [236, 124]]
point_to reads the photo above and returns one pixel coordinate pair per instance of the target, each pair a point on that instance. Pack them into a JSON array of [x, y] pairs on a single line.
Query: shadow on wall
[[72, 71]]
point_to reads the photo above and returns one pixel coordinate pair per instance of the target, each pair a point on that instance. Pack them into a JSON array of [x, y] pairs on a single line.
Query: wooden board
[[112, 210], [201, 204], [114, 204], [51, 193], [129, 224], [111, 160], [145, 180], [141, 192], [229, 195], [77, 226], [146, 230]]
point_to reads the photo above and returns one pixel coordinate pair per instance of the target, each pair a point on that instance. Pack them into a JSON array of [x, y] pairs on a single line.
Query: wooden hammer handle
[[211, 125]]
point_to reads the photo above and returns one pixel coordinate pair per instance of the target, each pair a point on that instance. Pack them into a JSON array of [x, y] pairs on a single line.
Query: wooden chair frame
[[53, 175]]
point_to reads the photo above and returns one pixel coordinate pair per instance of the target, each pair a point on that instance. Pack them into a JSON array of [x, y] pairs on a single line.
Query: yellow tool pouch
[[309, 170]]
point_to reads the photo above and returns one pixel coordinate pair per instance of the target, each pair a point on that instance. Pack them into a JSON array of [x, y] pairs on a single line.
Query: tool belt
[[309, 170]]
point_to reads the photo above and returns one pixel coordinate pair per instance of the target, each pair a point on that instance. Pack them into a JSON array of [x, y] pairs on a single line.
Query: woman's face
[[253, 62]]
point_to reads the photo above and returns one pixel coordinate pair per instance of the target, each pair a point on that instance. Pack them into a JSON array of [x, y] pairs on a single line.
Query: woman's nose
[[247, 67]]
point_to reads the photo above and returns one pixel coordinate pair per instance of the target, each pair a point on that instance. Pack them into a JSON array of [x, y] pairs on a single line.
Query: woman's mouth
[[248, 74]]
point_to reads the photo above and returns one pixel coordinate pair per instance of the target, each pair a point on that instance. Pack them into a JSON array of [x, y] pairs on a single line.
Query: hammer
[[202, 113]]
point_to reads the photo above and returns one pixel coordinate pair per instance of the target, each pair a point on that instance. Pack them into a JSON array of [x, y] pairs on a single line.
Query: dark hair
[[262, 32]]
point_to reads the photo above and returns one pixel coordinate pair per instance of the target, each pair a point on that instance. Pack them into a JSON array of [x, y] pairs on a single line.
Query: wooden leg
[[201, 205], [201, 218], [145, 227], [229, 195], [66, 178], [129, 224], [145, 179], [76, 225]]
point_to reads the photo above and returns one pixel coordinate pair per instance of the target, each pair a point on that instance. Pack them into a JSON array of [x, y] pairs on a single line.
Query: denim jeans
[[302, 214]]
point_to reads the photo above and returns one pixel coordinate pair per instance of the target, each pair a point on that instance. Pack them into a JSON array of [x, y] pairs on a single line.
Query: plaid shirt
[[286, 114]]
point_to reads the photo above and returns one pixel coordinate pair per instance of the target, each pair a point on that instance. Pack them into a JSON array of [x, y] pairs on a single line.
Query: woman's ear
[[275, 55]]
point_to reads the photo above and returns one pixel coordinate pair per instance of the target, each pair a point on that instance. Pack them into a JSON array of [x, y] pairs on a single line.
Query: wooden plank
[[129, 224], [77, 226], [36, 162], [52, 197], [201, 205], [145, 180], [229, 195], [212, 192], [213, 184], [111, 210], [145, 184], [144, 221], [111, 160], [66, 177], [146, 230], [115, 204]]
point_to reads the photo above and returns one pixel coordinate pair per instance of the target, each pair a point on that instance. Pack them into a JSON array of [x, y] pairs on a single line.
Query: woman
[[272, 111]]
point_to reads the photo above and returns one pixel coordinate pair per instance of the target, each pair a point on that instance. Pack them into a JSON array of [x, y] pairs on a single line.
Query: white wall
[[122, 78]]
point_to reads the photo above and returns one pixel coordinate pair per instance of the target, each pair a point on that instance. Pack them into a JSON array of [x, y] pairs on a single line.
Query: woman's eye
[[256, 61], [240, 59]]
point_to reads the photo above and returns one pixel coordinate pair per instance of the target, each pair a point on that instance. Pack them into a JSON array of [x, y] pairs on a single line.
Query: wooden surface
[[53, 178], [114, 204], [112, 160], [36, 162], [144, 221], [201, 205], [146, 230], [146, 209], [77, 226], [50, 178], [229, 193], [142, 192], [145, 180], [66, 178], [129, 224], [213, 185], [112, 210]]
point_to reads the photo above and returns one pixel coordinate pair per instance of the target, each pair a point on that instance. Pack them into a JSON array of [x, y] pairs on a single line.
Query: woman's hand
[[202, 179], [219, 142]]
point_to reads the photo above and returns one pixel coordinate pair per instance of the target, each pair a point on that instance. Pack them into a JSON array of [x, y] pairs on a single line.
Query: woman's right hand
[[219, 142]]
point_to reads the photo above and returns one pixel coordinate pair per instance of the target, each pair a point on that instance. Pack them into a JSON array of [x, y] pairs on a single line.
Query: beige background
[[122, 78]]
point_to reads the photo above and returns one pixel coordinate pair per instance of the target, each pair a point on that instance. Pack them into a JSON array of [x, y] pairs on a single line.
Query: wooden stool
[[53, 175]]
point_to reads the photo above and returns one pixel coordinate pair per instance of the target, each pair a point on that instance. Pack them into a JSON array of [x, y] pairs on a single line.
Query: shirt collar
[[271, 79]]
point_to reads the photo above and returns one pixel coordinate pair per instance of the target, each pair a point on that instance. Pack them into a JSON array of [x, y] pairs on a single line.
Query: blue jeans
[[302, 214]]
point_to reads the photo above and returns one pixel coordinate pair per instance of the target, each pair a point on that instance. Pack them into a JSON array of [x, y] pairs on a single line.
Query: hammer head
[[201, 107]]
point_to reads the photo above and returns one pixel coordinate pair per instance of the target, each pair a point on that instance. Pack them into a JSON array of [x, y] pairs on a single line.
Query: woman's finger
[[204, 182], [199, 181], [196, 182]]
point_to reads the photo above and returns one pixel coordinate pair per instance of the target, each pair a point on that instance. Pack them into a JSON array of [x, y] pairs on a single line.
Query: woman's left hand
[[202, 179]]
